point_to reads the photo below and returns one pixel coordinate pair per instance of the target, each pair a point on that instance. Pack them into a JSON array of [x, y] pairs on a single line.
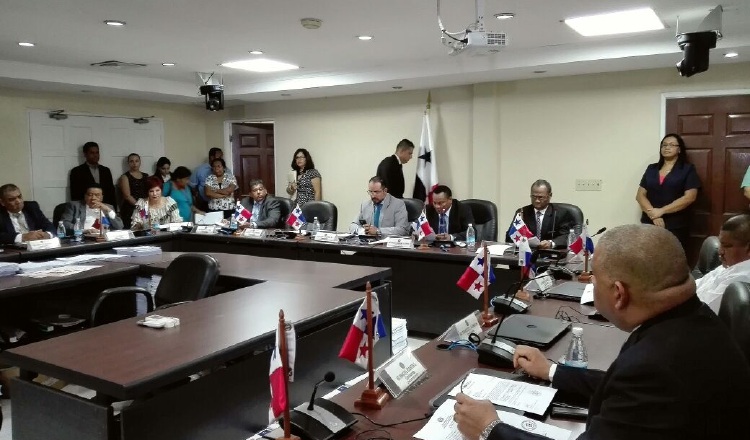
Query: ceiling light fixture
[[731, 55], [167, 64], [311, 23], [505, 15], [623, 22], [26, 44], [262, 65], [256, 52], [365, 37], [115, 23]]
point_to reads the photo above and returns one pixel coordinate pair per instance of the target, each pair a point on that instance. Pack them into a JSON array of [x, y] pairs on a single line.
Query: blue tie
[[376, 216], [442, 229]]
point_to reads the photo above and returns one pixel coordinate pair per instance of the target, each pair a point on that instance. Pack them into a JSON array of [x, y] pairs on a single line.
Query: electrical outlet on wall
[[588, 184]]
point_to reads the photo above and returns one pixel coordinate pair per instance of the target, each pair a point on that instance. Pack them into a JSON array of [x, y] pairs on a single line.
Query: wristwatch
[[486, 433]]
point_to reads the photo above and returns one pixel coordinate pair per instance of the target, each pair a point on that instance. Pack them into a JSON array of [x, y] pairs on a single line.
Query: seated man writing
[[734, 254], [88, 212], [447, 216], [21, 221], [680, 374], [383, 214], [548, 224], [266, 212]]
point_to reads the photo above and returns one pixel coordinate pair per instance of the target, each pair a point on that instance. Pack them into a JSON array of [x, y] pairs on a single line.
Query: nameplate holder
[[401, 373], [327, 237], [38, 245], [205, 229], [461, 330], [124, 234], [254, 233], [545, 282], [400, 243], [174, 227]]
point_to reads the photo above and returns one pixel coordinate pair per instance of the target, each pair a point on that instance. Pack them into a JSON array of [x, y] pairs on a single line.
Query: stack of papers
[[34, 266], [90, 257], [509, 393], [138, 251], [60, 271], [8, 269], [399, 341]]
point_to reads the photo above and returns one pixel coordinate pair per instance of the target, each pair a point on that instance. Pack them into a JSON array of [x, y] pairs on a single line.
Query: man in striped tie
[[549, 224]]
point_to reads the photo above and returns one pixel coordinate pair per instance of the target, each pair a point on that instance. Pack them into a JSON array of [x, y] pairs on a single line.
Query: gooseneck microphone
[[329, 377], [599, 231]]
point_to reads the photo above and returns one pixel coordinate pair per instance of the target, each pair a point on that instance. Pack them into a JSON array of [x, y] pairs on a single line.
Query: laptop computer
[[536, 331], [570, 291]]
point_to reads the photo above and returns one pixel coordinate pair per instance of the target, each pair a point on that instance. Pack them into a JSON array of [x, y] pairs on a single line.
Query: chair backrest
[[413, 208], [188, 278], [485, 218], [118, 303], [735, 312], [286, 205], [57, 213], [326, 212], [574, 211], [708, 257]]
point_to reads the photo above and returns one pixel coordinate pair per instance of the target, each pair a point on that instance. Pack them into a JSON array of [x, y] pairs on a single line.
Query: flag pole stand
[[585, 276], [285, 367], [101, 237], [488, 319], [371, 398], [423, 245]]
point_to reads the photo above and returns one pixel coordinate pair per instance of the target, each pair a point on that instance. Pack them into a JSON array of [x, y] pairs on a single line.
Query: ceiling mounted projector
[[474, 40]]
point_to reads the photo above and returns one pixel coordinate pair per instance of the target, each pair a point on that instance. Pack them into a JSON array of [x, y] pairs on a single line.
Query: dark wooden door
[[717, 135], [253, 155]]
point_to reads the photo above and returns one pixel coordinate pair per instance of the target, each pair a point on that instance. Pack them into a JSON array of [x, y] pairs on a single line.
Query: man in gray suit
[[383, 214], [87, 212], [266, 212]]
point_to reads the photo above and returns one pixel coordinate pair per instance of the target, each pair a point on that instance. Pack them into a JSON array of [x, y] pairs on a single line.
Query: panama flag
[[518, 229], [423, 227], [241, 214], [355, 344], [427, 178], [583, 242], [472, 280], [276, 374], [296, 218], [98, 225], [524, 259]]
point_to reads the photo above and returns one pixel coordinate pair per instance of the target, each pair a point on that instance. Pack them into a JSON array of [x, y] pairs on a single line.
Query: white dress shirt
[[713, 284]]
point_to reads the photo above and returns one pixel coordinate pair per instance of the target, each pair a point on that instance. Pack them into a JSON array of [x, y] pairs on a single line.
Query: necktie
[[442, 229], [376, 216], [539, 225], [21, 220]]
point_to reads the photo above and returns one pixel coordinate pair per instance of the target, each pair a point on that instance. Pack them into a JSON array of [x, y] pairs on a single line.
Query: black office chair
[[485, 218], [188, 278], [574, 211], [735, 312], [414, 207], [118, 303], [708, 257], [286, 205], [57, 213], [325, 211]]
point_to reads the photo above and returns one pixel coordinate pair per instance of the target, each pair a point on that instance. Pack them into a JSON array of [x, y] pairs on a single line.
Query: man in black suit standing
[[680, 374], [550, 225], [447, 216], [89, 172], [21, 221], [266, 212], [390, 168]]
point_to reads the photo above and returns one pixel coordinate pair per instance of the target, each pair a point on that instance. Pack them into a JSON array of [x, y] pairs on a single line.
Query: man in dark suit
[[88, 212], [680, 374], [550, 225], [21, 221], [390, 168], [447, 216], [266, 212], [82, 176]]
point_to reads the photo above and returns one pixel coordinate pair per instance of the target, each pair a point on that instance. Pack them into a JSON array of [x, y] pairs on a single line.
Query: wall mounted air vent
[[112, 64]]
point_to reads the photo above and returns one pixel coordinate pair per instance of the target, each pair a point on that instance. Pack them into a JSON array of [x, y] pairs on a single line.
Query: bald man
[[680, 375], [734, 254]]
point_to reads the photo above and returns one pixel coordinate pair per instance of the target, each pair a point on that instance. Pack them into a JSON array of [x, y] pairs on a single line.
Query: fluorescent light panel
[[260, 65], [624, 22]]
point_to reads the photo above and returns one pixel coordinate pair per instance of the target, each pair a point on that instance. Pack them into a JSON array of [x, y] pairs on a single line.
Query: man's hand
[[472, 416], [443, 237], [99, 205], [370, 230], [546, 244], [532, 361], [34, 235]]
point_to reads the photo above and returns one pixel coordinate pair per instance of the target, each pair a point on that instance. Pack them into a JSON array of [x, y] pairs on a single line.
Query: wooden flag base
[[291, 437], [489, 319], [372, 399], [584, 277], [423, 246]]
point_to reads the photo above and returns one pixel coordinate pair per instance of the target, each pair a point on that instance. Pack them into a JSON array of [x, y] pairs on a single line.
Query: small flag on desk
[[241, 214], [423, 227], [276, 374], [519, 230], [105, 222], [355, 344], [528, 269], [583, 242], [296, 218], [472, 280]]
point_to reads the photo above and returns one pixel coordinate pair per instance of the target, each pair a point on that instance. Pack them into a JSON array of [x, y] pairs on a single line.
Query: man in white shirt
[[88, 213], [734, 254]]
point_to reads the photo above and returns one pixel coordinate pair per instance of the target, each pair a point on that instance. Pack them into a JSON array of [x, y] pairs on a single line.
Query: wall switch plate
[[588, 184]]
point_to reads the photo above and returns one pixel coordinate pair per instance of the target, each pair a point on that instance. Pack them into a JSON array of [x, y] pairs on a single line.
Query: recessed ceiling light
[[260, 65], [731, 55], [636, 20], [26, 44], [365, 37], [286, 94], [167, 64], [256, 52], [505, 15], [397, 87], [115, 23]]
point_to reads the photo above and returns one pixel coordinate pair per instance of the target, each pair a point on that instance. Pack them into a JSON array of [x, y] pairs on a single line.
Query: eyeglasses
[[670, 145], [535, 197], [371, 192]]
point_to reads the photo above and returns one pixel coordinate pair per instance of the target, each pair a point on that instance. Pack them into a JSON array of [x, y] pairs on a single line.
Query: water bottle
[[60, 230], [576, 355], [155, 226], [233, 223], [316, 227], [77, 231], [471, 238], [571, 237]]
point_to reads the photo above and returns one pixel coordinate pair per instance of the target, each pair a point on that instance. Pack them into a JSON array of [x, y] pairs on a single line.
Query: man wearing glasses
[[549, 225], [383, 214]]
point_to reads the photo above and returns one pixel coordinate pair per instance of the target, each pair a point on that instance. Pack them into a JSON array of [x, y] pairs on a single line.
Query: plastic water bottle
[[316, 227], [155, 226], [571, 237], [576, 355], [471, 238], [77, 231], [233, 223], [61, 230]]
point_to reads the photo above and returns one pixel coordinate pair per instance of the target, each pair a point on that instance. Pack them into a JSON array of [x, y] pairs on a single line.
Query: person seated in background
[[383, 214], [448, 217], [266, 212], [679, 375], [551, 226], [88, 211], [154, 209], [734, 254], [178, 188], [21, 221]]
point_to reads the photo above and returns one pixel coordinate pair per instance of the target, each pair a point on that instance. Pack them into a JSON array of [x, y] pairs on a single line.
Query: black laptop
[[569, 291], [536, 331]]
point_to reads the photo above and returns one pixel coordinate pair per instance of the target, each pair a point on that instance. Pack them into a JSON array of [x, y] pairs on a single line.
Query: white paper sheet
[[588, 294], [209, 218], [509, 393], [495, 249]]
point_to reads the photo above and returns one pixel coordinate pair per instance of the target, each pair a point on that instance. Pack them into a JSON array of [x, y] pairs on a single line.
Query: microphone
[[599, 232], [329, 377], [554, 219]]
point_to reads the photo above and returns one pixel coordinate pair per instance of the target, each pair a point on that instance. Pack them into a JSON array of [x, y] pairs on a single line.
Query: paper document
[[209, 218], [441, 425], [495, 249], [62, 271], [509, 393], [588, 294]]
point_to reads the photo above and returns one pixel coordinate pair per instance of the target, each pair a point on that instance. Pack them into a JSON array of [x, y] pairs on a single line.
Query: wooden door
[[253, 155], [716, 131]]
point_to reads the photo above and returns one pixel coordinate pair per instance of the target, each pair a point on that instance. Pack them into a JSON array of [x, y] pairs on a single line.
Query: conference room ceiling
[[405, 53]]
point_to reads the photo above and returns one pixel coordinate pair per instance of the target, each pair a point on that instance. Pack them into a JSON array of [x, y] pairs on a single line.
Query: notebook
[[571, 291], [536, 331]]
